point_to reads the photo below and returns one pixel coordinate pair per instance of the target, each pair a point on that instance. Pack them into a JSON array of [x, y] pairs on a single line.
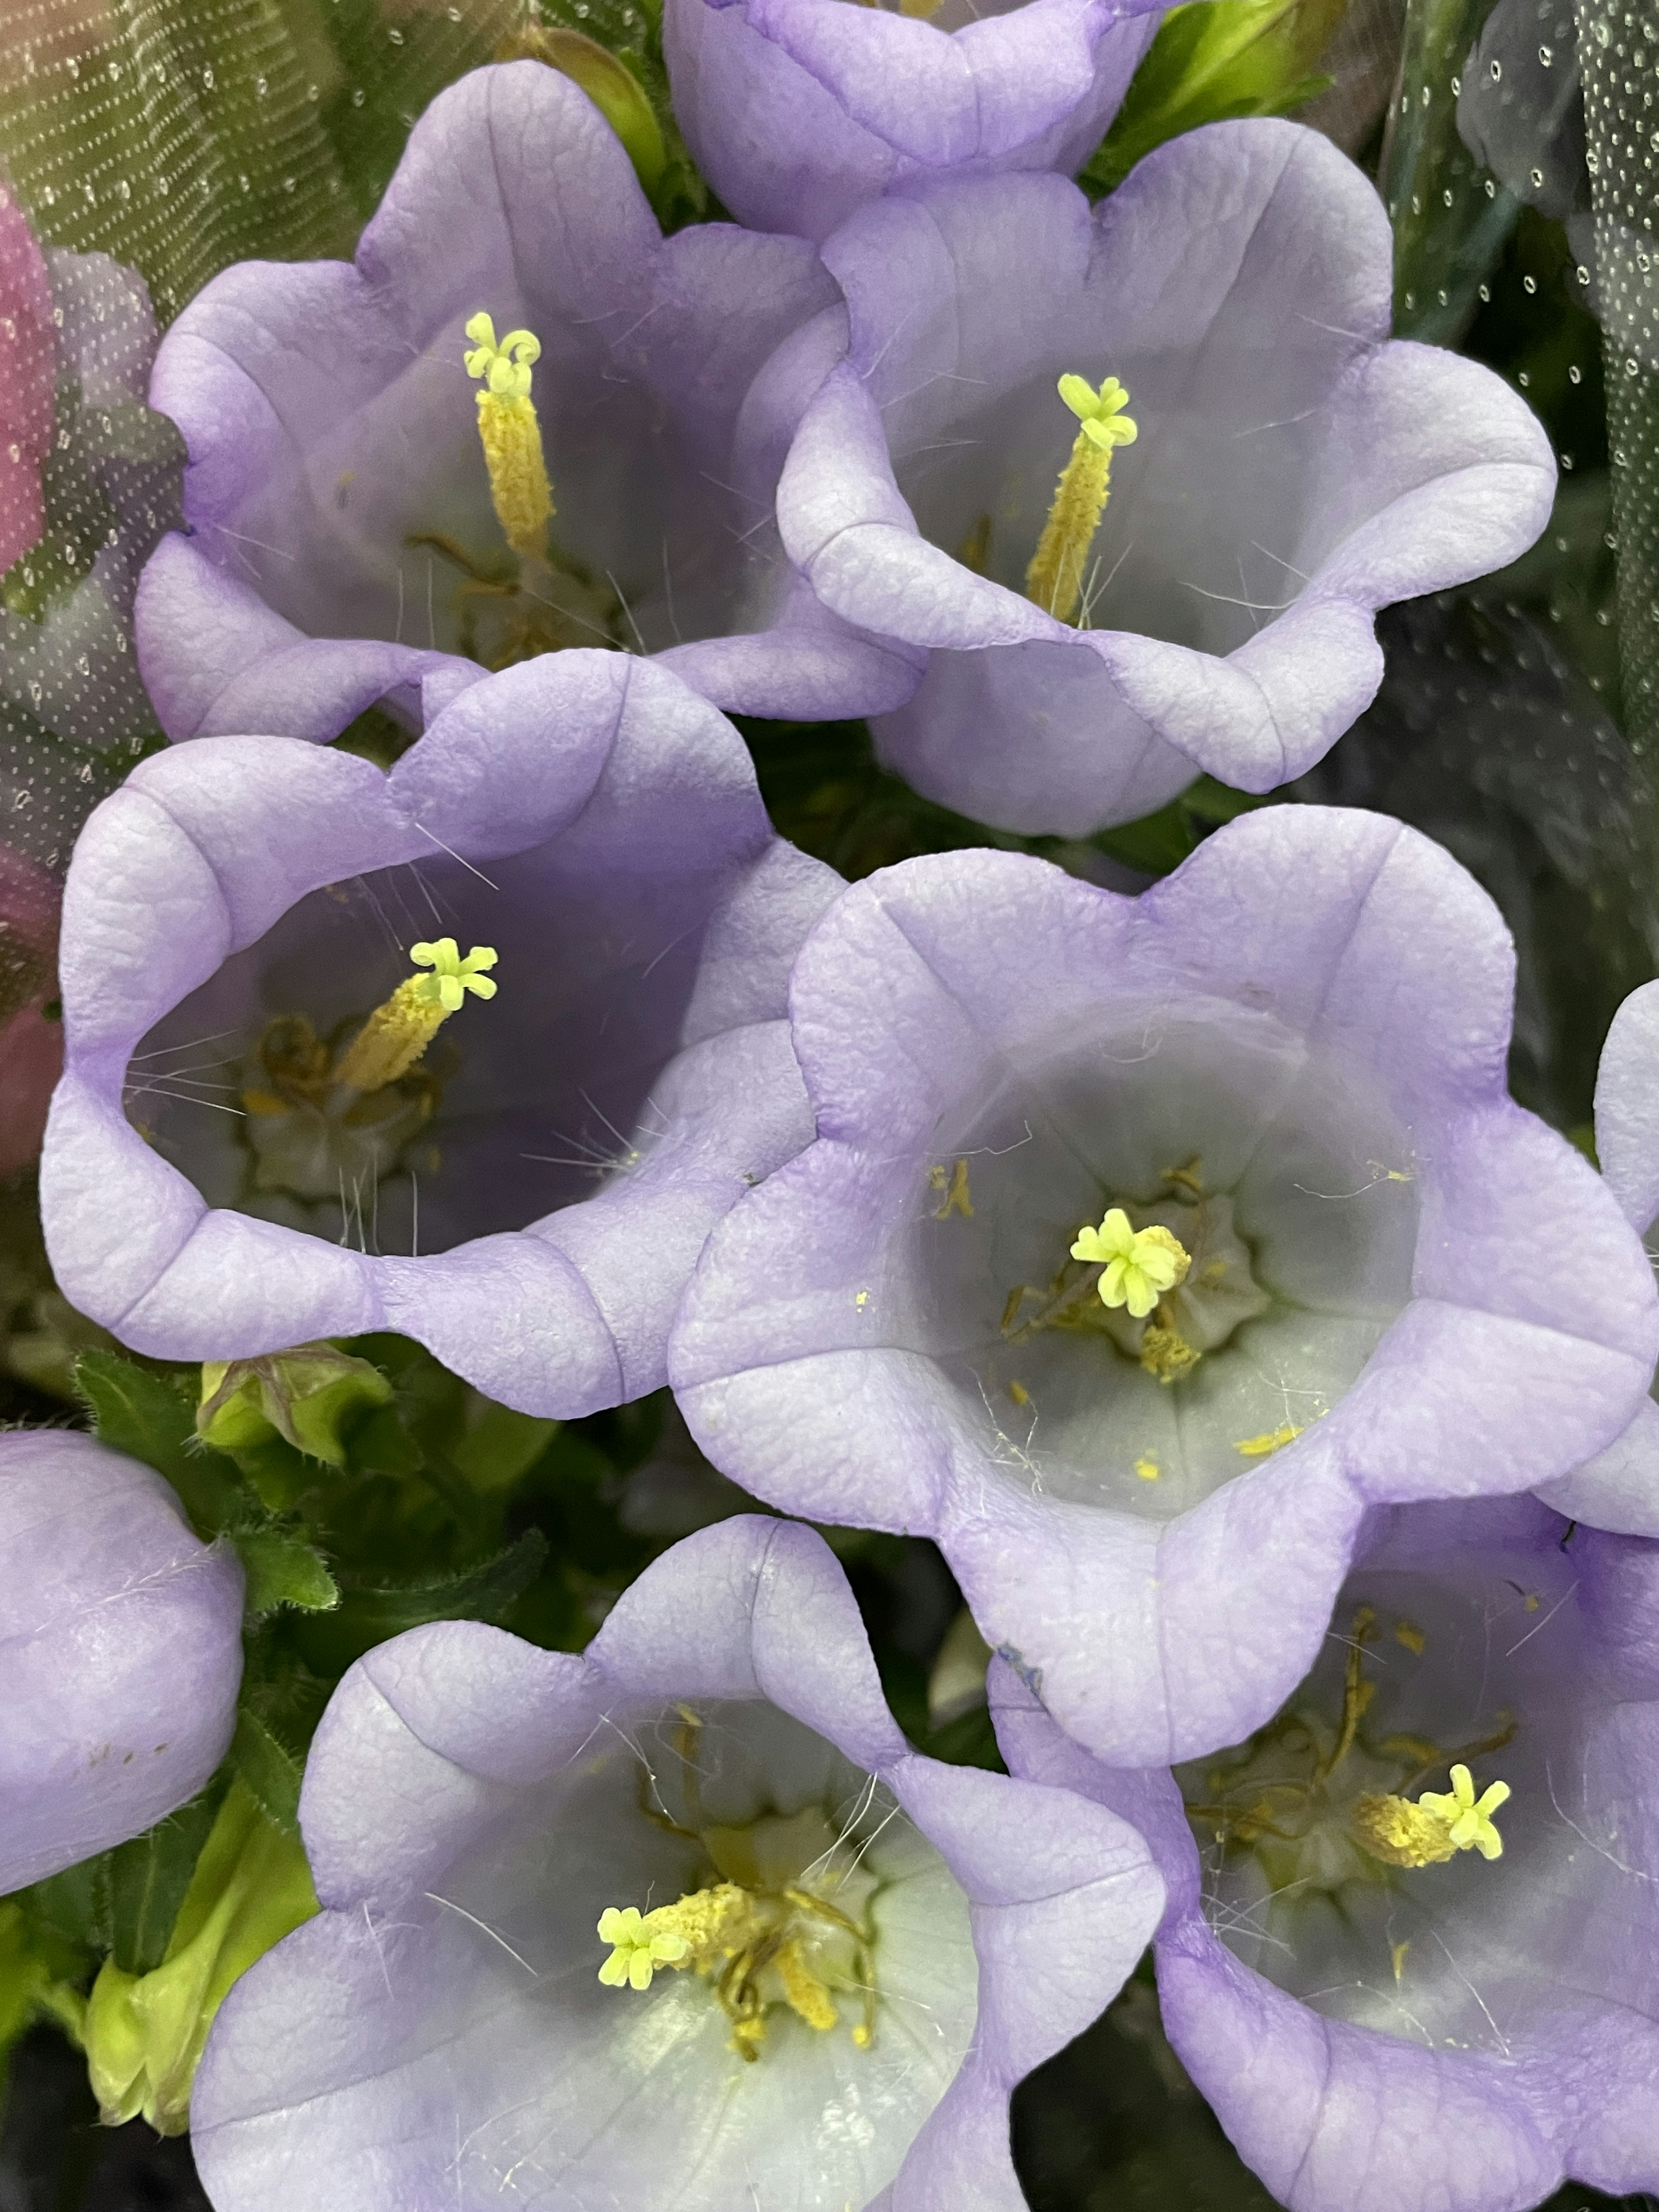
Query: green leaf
[[368, 1615], [500, 1446], [282, 1568], [73, 1906], [147, 1879], [269, 1769], [149, 1417], [1212, 60]]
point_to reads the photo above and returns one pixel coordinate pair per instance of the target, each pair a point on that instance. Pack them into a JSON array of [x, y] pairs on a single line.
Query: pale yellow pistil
[[742, 1940], [1436, 1827], [1055, 580], [511, 435], [1139, 1265], [397, 1034]]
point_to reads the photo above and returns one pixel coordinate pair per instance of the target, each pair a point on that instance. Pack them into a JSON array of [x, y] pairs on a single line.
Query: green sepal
[[147, 1879], [500, 1446], [1214, 60], [73, 1906], [614, 90], [144, 2032], [282, 1568], [268, 1769], [368, 1615], [148, 1416], [311, 1397]]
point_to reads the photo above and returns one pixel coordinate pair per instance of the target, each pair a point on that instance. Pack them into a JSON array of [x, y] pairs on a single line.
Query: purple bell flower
[[1291, 470], [1410, 1952], [684, 1922], [1147, 1242], [266, 1134], [120, 1652], [348, 538], [800, 111], [1619, 1489]]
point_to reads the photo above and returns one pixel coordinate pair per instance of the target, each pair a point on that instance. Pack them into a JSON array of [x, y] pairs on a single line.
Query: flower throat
[[543, 599], [1321, 1807], [775, 1926], [323, 1115]]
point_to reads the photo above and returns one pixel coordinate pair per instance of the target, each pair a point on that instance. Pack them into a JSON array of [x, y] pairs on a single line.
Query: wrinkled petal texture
[[120, 1652], [598, 822], [799, 112], [1296, 470], [336, 483], [1554, 1965], [829, 1360], [441, 2028]]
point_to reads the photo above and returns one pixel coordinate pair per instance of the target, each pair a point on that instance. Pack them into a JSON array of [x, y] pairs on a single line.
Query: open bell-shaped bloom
[[1386, 2012], [1289, 1057], [800, 111], [1619, 1489], [271, 1130], [847, 1956], [347, 537], [120, 1652], [1294, 469]]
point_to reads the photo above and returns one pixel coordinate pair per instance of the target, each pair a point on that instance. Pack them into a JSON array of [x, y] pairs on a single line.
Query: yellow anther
[[1055, 580], [954, 1184], [638, 1949], [1408, 1634], [1469, 1819], [804, 1993], [1139, 1264], [396, 1034], [1166, 1355], [1270, 1440], [511, 435], [1020, 1393], [1148, 1469]]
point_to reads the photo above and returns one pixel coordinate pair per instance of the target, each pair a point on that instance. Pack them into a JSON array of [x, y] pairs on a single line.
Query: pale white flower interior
[[1271, 1159], [589, 2095], [1467, 1954]]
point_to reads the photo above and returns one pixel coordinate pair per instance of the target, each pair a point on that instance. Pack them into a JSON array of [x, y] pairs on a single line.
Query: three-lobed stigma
[[510, 435], [397, 1033], [1139, 1264], [1055, 580]]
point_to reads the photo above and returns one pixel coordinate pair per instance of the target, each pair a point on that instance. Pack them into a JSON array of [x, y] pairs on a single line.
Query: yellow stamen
[[1407, 1633], [1166, 1353], [1148, 1469], [1055, 580], [1270, 1440], [396, 1034], [511, 435], [954, 1183], [1139, 1264]]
